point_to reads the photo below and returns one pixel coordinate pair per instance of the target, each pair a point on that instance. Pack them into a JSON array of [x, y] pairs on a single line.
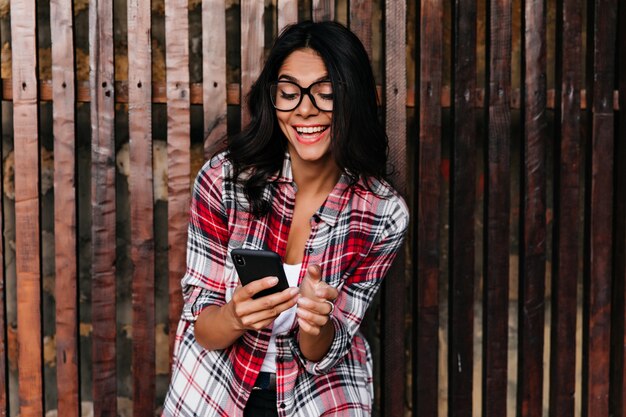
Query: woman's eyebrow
[[288, 77]]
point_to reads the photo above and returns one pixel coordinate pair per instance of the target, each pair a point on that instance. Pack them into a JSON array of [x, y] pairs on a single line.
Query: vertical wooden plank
[[65, 244], [101, 83], [395, 288], [287, 13], [567, 211], [4, 386], [596, 331], [323, 10], [360, 20], [27, 240], [178, 131], [213, 71], [429, 75], [141, 205], [252, 42], [497, 207], [618, 378], [533, 211], [462, 202]]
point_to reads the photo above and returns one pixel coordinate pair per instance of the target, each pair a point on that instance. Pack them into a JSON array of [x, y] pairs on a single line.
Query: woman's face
[[306, 127]]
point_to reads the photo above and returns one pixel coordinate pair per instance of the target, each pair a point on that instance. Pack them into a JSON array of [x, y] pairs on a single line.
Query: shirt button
[[282, 405], [316, 218], [310, 250]]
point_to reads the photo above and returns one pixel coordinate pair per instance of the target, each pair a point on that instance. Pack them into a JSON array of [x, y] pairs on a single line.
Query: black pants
[[262, 403]]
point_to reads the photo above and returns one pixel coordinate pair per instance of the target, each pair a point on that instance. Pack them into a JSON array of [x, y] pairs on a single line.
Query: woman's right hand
[[248, 313]]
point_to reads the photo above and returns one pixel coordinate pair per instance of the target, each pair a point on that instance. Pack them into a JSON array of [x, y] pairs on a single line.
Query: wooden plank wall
[[449, 296]]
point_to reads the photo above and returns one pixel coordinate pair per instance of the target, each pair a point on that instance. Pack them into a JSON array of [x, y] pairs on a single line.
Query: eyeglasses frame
[[303, 91]]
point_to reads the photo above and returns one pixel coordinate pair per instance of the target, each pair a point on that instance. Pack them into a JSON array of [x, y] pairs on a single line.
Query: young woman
[[304, 179]]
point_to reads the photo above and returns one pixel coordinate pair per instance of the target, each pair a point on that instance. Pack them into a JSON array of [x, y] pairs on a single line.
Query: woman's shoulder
[[381, 192]]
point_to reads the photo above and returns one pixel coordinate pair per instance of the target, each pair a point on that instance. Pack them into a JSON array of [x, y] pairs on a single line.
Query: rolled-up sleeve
[[207, 243], [359, 290]]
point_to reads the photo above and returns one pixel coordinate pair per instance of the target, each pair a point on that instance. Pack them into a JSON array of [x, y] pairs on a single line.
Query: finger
[[262, 318], [326, 292], [307, 327], [257, 286], [270, 302], [312, 317], [315, 273]]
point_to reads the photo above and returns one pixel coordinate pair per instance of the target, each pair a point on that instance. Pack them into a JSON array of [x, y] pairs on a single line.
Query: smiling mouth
[[312, 130]]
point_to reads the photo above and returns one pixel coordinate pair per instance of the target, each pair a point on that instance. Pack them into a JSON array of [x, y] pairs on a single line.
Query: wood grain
[[462, 207], [395, 288], [65, 227], [323, 10], [103, 285], [287, 13], [497, 209], [532, 275], [213, 72], [567, 209], [178, 141], [141, 206], [428, 192], [252, 43], [27, 226]]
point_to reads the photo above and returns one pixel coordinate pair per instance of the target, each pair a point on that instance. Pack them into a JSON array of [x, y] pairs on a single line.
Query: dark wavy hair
[[359, 144]]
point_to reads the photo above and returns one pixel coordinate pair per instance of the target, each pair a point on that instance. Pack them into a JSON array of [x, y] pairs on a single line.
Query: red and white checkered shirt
[[355, 236]]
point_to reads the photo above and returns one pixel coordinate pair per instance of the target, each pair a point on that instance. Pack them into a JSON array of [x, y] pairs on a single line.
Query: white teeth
[[309, 130]]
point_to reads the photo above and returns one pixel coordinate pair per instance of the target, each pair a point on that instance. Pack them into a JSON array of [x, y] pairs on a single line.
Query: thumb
[[314, 273]]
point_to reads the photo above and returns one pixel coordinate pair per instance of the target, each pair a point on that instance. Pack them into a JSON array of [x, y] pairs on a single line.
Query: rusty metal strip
[[568, 189], [103, 207], [394, 360], [597, 317], [178, 138], [27, 225], [497, 209], [141, 206], [252, 42], [214, 93], [65, 237], [428, 192], [462, 208]]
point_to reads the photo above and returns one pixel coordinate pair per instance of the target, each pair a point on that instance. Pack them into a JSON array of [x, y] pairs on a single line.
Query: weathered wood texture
[[395, 300], [213, 71], [427, 194], [27, 225], [567, 209], [618, 374], [462, 207], [323, 10], [287, 13], [497, 207], [597, 325], [589, 202], [532, 262], [65, 238], [178, 140], [103, 207], [141, 206], [252, 43]]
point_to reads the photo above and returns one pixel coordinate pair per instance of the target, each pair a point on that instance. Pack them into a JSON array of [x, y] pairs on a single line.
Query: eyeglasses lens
[[287, 96]]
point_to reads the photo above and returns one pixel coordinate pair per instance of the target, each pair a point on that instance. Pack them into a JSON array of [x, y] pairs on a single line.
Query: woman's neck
[[314, 177]]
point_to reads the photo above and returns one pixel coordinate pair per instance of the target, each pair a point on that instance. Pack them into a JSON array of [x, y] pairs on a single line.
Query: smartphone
[[253, 264]]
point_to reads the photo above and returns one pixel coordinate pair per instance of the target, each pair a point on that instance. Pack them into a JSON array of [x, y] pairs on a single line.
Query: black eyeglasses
[[287, 95]]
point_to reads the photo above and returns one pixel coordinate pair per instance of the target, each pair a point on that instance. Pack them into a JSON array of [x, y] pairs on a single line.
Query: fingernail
[[273, 280], [294, 291]]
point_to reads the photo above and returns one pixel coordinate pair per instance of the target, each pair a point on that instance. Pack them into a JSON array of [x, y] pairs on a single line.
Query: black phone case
[[253, 264]]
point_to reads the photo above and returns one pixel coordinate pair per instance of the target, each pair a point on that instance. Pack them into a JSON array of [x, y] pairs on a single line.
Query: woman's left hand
[[315, 304]]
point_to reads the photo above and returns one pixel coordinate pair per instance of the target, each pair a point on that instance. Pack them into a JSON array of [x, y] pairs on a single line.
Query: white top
[[283, 322]]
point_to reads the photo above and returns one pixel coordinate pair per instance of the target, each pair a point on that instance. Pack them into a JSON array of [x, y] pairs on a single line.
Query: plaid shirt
[[354, 237]]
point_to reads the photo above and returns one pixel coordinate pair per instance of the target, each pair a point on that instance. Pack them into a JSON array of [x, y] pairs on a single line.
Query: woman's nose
[[306, 106]]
